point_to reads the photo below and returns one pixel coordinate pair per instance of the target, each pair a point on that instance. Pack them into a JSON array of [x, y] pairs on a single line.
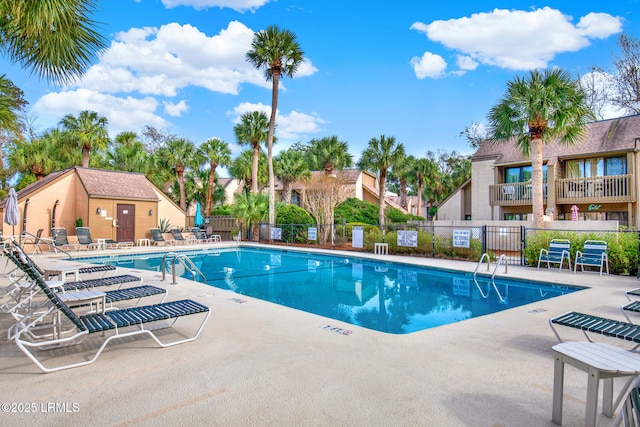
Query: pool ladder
[[185, 261], [501, 260]]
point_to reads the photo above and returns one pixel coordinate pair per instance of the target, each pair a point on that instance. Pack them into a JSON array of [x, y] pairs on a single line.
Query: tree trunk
[[403, 194], [85, 157], [383, 179], [183, 197], [254, 168], [212, 178], [286, 192], [537, 201], [272, 124], [420, 199]]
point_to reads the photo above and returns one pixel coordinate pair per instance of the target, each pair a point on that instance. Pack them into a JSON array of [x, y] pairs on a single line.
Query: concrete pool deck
[[260, 364]]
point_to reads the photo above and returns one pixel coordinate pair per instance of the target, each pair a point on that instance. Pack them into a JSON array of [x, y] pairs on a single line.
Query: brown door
[[126, 223]]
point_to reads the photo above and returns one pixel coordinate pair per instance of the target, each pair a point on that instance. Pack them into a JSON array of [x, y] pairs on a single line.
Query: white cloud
[[237, 5], [123, 114], [144, 65], [174, 109], [430, 65], [466, 63], [519, 40], [288, 126]]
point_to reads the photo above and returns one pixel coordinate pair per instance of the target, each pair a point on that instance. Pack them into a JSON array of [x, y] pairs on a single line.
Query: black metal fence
[[442, 241]]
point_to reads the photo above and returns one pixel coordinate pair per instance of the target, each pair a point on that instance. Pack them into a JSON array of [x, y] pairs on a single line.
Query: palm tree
[[422, 169], [328, 153], [180, 154], [87, 131], [536, 109], [252, 130], [241, 168], [290, 167], [56, 39], [402, 172], [219, 154], [278, 52], [128, 153], [251, 210], [379, 156], [36, 157]]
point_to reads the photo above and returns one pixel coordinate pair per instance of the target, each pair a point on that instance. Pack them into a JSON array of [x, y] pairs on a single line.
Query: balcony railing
[[600, 189], [513, 194]]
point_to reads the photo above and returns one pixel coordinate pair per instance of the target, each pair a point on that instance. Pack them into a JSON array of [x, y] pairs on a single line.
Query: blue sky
[[417, 70]]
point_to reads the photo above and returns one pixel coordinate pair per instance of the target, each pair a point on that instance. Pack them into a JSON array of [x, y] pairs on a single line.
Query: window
[[522, 174], [295, 198], [596, 166]]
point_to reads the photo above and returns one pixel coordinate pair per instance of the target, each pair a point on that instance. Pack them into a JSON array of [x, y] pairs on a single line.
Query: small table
[[381, 248], [85, 297], [62, 272], [144, 242], [102, 244], [215, 238], [599, 361]]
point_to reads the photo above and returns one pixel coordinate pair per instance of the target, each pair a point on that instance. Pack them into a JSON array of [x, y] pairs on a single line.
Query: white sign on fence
[[312, 233], [357, 237], [408, 238], [461, 238], [276, 233]]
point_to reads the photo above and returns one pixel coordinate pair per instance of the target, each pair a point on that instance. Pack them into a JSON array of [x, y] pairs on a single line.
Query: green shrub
[[356, 211], [295, 222], [622, 247], [396, 215], [221, 210]]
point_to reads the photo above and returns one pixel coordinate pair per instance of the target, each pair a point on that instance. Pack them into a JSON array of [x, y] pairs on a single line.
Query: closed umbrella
[[197, 220], [11, 214]]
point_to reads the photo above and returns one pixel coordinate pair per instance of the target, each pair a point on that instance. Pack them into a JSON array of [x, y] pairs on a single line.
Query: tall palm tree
[[402, 172], [241, 168], [279, 54], [379, 156], [128, 153], [219, 154], [290, 167], [328, 153], [181, 154], [253, 129], [422, 170], [88, 132], [536, 109], [56, 39]]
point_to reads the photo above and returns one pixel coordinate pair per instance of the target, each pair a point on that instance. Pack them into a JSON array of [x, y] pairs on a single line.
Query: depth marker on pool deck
[[537, 310], [336, 329], [238, 300]]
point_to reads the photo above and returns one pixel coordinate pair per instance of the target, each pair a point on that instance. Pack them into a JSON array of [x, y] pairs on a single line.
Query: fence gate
[[504, 240]]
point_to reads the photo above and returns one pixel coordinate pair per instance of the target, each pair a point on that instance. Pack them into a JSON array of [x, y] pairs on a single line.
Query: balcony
[[513, 194], [600, 189]]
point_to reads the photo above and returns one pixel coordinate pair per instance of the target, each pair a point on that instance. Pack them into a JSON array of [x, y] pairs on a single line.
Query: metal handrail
[[503, 258], [186, 263]]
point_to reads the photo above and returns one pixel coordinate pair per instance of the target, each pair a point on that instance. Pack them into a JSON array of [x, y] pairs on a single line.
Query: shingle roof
[[116, 184], [99, 183], [614, 135]]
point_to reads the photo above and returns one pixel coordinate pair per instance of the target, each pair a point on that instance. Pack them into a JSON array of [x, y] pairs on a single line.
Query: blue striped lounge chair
[[593, 254], [590, 324], [559, 250], [110, 325]]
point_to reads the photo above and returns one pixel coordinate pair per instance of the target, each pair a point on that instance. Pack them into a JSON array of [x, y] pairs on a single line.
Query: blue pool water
[[387, 297]]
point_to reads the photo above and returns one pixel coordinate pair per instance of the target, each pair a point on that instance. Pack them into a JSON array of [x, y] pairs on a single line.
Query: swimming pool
[[387, 297]]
